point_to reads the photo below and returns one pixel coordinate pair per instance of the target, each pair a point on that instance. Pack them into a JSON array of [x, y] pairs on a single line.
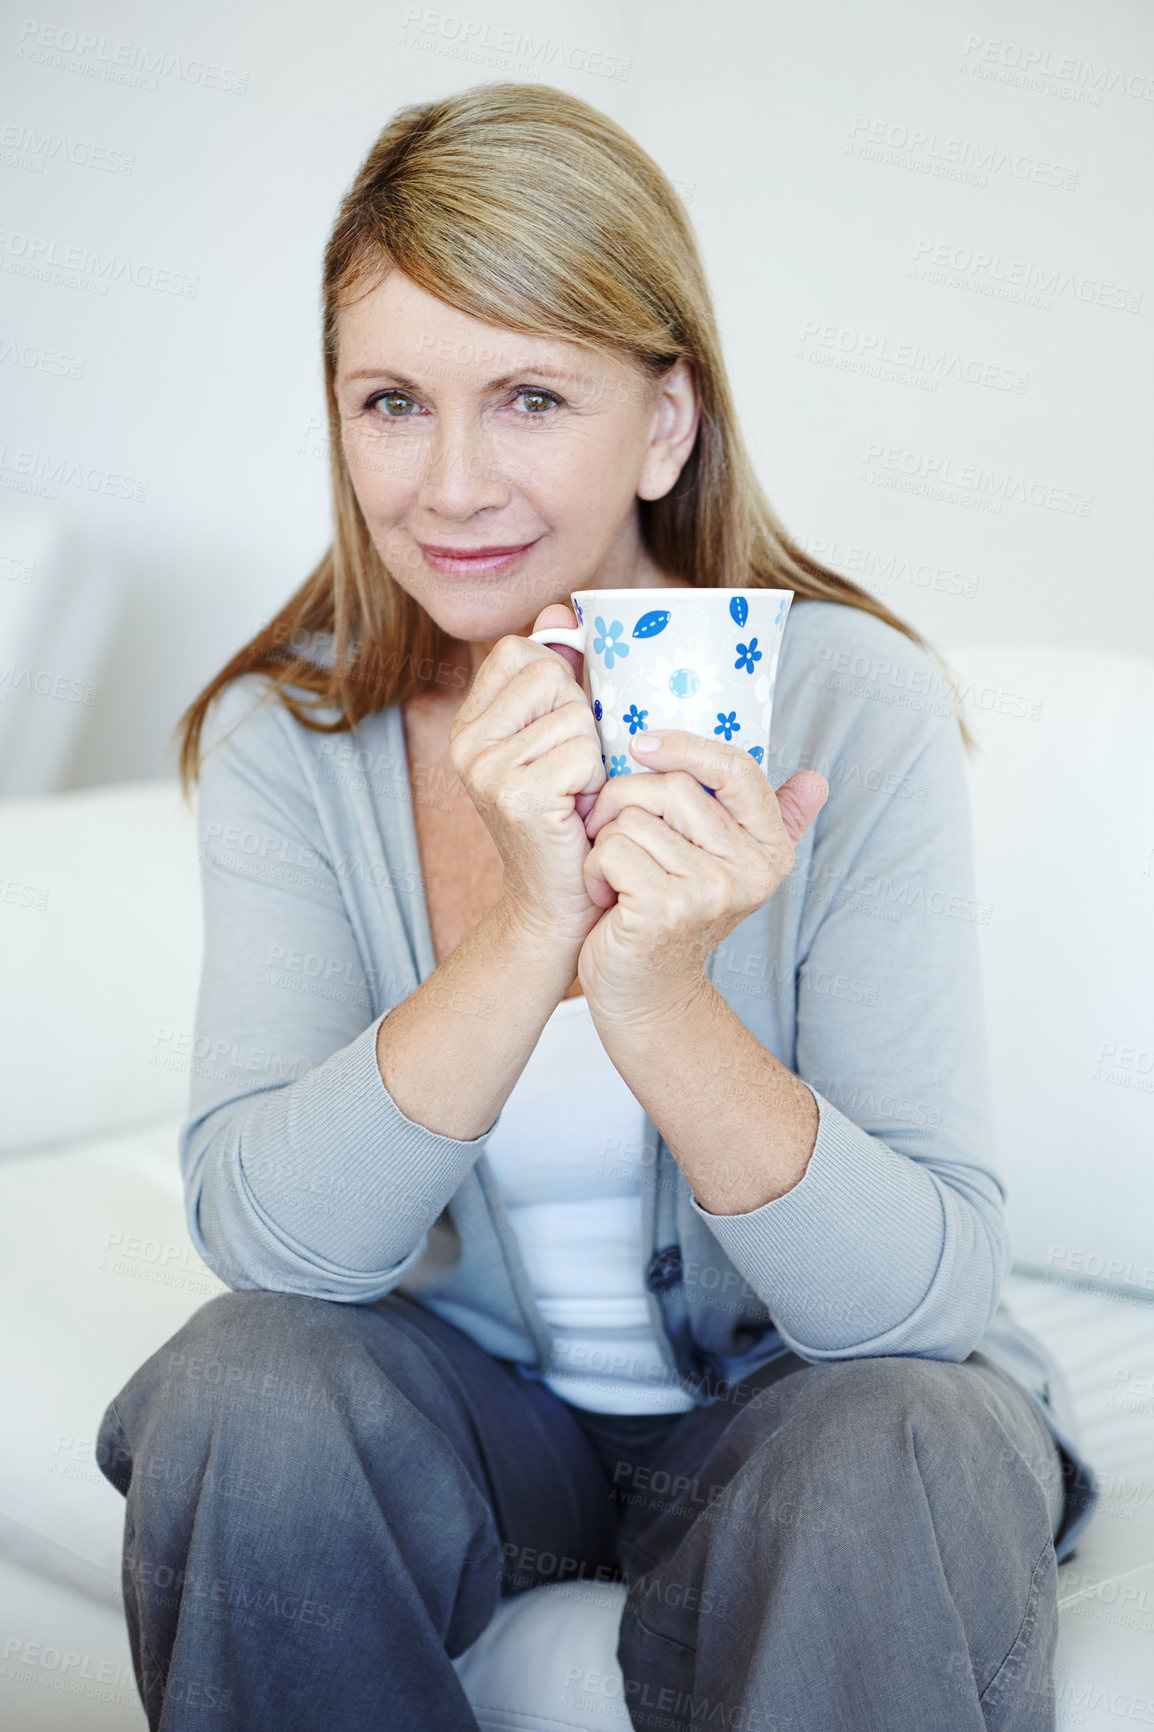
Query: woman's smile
[[474, 559]]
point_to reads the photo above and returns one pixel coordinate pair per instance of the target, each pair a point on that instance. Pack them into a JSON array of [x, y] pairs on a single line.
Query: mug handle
[[572, 637]]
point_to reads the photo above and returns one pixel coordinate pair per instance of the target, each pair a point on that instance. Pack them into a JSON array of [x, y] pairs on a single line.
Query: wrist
[[538, 941], [656, 1015]]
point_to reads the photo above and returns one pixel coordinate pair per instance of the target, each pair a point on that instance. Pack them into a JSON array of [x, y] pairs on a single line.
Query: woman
[[601, 1170]]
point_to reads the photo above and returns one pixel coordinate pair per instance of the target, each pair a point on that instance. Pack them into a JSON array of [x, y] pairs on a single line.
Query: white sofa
[[100, 930], [60, 603]]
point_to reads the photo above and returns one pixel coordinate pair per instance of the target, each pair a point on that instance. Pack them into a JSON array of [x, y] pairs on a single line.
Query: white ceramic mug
[[700, 659]]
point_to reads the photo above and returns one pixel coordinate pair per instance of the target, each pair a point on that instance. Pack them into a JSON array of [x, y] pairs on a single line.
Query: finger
[[800, 800], [517, 685], [737, 780], [624, 867], [680, 801], [674, 853], [510, 656], [557, 614], [715, 812]]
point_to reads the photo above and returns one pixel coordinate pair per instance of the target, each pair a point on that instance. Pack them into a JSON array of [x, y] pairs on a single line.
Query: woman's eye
[[541, 400], [387, 401]]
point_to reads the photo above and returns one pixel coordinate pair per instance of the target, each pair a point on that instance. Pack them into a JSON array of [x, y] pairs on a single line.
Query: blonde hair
[[532, 211]]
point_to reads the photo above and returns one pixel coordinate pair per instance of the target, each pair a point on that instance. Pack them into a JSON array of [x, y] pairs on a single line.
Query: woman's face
[[462, 437]]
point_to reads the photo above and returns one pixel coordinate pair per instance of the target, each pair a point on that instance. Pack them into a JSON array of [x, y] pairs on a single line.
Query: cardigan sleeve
[[301, 1173], [894, 1240]]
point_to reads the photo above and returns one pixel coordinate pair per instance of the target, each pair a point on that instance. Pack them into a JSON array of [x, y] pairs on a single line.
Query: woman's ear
[[676, 414]]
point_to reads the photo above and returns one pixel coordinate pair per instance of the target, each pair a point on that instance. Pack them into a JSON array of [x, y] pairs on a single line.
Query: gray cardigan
[[860, 974]]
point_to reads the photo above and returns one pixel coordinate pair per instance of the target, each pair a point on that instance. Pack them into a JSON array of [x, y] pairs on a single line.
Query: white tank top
[[567, 1157]]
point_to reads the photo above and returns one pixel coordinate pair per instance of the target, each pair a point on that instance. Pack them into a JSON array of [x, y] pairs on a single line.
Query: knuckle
[[778, 862], [767, 882], [484, 771], [457, 752]]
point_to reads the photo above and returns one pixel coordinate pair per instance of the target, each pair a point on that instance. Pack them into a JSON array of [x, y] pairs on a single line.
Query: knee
[[879, 1399], [840, 1448], [853, 1424], [253, 1363]]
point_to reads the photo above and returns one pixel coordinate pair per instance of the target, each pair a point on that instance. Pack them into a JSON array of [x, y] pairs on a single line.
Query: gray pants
[[324, 1503]]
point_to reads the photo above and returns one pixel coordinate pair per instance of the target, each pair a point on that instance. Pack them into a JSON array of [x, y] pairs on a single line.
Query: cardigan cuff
[[863, 1222]]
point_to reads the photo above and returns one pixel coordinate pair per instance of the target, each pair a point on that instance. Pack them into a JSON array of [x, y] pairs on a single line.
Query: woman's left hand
[[677, 868]]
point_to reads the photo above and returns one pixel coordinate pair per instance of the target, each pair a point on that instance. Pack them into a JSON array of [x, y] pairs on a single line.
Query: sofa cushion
[[1105, 1658], [96, 1262], [100, 930], [1062, 792]]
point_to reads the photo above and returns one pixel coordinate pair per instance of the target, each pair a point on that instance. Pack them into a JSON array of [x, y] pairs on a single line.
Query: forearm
[[450, 1054], [327, 1186], [873, 1252], [739, 1124]]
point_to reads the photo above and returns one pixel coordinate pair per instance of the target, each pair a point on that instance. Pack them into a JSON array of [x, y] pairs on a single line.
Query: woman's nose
[[461, 474]]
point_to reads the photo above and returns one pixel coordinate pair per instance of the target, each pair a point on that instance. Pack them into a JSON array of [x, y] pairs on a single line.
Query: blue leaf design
[[739, 609], [651, 623]]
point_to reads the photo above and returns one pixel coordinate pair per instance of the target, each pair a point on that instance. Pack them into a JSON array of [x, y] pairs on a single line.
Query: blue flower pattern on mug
[[606, 643]]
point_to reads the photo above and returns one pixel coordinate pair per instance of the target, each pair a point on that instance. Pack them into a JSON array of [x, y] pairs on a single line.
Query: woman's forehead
[[398, 325]]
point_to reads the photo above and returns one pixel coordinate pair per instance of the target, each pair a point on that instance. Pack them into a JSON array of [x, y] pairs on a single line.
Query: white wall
[[831, 153]]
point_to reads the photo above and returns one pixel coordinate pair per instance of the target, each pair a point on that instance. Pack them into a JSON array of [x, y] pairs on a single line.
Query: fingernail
[[647, 743]]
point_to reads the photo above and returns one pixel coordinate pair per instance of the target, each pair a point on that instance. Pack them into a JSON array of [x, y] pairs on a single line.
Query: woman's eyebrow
[[501, 384]]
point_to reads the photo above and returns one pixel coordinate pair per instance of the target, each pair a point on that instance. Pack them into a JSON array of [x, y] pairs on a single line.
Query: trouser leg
[[875, 1555], [320, 1499]]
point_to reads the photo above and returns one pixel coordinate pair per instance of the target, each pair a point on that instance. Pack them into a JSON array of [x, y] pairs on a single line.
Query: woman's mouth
[[467, 559]]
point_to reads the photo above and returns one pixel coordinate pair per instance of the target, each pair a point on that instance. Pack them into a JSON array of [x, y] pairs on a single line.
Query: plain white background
[[926, 229]]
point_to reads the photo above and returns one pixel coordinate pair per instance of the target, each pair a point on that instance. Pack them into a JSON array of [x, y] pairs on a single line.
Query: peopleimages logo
[[40, 473], [929, 152], [130, 63], [509, 50], [1013, 279], [84, 268], [939, 477], [1013, 62], [24, 147], [901, 361]]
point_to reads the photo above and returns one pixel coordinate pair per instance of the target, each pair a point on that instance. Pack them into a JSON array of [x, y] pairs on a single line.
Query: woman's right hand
[[525, 745]]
